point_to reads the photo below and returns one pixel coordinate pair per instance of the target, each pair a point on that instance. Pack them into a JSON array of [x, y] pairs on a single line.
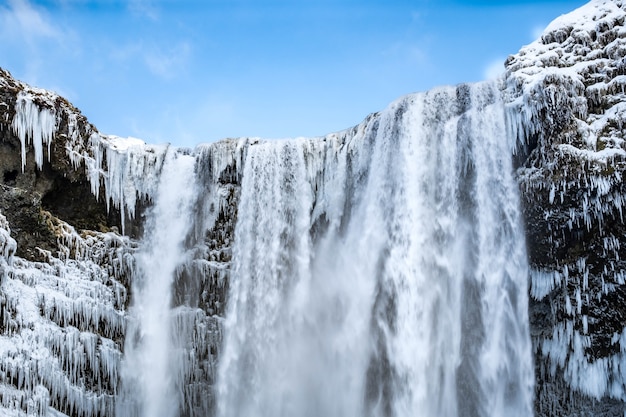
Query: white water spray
[[148, 377], [385, 274]]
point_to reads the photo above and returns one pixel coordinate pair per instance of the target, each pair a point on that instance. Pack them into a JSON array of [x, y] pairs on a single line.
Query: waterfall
[[374, 272], [382, 272], [149, 369]]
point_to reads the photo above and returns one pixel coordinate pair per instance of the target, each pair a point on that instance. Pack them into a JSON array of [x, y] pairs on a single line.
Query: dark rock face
[[34, 198], [567, 89]]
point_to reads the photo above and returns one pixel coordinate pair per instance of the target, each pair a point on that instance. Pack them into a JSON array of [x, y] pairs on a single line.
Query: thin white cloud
[[23, 20], [494, 69], [30, 39], [160, 61], [144, 8], [167, 63]]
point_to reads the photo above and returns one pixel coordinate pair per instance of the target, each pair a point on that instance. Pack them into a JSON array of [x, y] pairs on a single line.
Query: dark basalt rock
[[31, 197]]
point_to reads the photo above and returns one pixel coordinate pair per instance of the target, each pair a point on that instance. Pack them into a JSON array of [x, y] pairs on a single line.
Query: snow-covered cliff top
[[591, 33], [566, 95], [577, 68]]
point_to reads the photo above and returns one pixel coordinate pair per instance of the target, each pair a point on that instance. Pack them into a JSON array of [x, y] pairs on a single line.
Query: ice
[[543, 282], [348, 228], [62, 321], [565, 96], [35, 125], [595, 378], [131, 173], [385, 262], [126, 168]]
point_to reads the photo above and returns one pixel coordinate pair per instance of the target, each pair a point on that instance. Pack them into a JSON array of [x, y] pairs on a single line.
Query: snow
[[553, 68], [131, 174], [126, 168], [587, 18], [566, 93], [554, 73]]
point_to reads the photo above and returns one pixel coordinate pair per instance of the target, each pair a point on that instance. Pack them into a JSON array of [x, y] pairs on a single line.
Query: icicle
[[35, 124]]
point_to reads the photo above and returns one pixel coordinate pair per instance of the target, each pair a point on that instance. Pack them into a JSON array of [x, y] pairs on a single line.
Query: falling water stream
[[149, 368]]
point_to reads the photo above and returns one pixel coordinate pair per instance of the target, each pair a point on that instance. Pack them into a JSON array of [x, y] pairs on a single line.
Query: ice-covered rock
[[63, 324], [567, 107], [64, 293]]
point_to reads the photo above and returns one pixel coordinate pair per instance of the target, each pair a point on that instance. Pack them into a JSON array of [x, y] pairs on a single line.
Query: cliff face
[[567, 103], [72, 205], [65, 272]]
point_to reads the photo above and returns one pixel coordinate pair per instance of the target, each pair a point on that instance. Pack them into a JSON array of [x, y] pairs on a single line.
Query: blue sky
[[193, 71]]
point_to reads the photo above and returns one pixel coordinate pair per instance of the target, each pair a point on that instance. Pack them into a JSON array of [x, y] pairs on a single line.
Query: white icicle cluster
[[35, 125], [64, 322], [125, 169]]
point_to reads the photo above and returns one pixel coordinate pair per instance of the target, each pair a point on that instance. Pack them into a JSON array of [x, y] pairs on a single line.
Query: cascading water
[[149, 367], [375, 272], [382, 273]]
